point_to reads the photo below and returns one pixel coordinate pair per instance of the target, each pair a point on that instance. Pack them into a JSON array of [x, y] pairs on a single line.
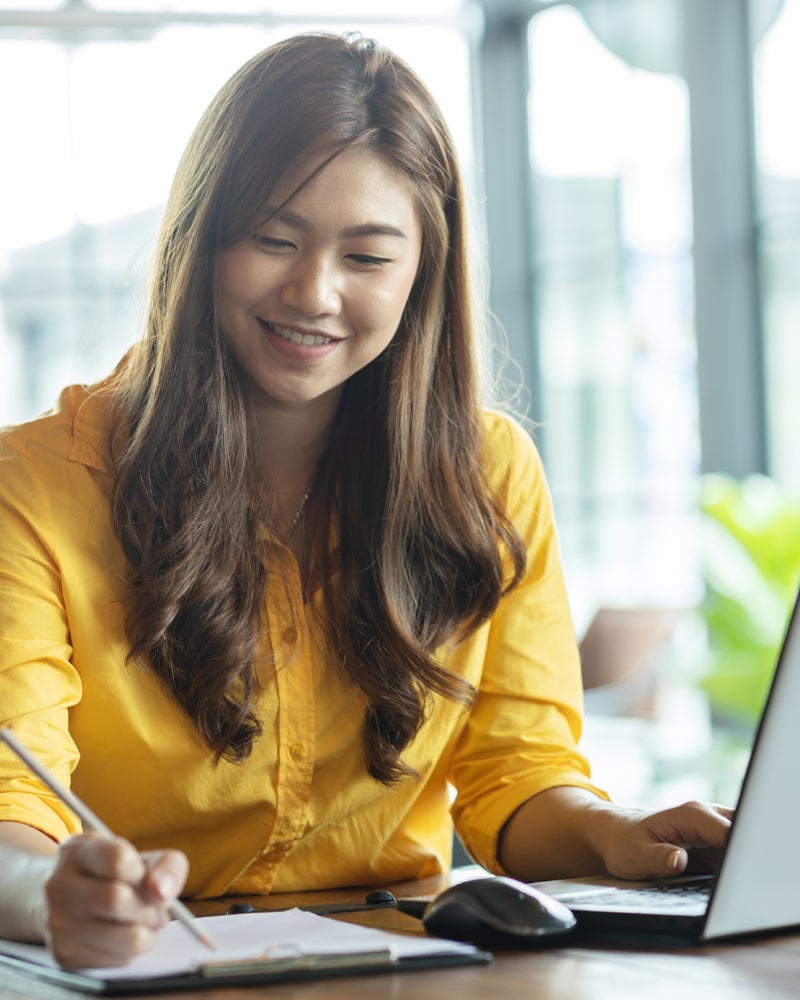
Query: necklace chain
[[299, 513]]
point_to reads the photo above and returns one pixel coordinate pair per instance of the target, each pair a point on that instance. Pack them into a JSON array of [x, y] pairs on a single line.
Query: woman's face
[[317, 293]]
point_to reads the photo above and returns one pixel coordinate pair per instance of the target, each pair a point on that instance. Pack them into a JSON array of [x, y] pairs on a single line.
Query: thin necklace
[[299, 514]]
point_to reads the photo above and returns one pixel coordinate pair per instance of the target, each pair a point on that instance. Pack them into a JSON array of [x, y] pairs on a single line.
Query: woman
[[277, 582]]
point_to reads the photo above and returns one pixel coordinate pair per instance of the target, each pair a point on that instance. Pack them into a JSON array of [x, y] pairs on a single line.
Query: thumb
[[649, 860], [166, 874], [665, 859]]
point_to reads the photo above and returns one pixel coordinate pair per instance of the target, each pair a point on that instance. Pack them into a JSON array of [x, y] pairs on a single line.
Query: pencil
[[92, 822]]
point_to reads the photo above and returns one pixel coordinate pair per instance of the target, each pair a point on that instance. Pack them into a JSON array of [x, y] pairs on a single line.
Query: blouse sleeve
[[38, 683], [522, 733]]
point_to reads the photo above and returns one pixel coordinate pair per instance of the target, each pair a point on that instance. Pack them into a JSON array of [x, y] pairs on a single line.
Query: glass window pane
[[776, 84], [35, 195], [134, 105], [36, 209], [31, 4], [613, 291], [289, 9]]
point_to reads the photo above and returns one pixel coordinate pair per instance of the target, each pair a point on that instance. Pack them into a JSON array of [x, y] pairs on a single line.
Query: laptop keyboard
[[666, 895]]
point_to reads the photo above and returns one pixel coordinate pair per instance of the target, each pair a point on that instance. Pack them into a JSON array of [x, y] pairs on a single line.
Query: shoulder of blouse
[[76, 429], [509, 452]]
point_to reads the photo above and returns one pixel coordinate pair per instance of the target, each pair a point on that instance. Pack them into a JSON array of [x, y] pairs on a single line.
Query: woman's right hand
[[106, 902]]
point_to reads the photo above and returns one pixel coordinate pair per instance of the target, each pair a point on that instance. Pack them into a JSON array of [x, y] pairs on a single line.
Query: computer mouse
[[380, 897], [496, 912], [240, 908]]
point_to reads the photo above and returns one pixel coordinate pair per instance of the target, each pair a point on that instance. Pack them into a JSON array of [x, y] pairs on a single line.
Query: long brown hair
[[425, 552]]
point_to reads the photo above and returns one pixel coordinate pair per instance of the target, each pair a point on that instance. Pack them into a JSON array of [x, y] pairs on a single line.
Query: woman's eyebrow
[[362, 229], [375, 229]]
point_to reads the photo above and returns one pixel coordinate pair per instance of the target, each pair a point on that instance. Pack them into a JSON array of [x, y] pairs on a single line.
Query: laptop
[[754, 889]]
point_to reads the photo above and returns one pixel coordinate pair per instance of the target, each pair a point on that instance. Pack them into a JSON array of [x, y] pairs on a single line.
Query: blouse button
[[290, 636], [296, 751]]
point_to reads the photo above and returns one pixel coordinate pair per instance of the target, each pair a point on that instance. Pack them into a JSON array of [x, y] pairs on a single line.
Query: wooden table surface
[[763, 968]]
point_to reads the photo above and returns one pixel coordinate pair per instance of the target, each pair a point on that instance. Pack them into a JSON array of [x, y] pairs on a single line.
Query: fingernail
[[164, 884], [674, 860]]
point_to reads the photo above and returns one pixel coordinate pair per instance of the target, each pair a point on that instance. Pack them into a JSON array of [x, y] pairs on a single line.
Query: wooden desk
[[764, 969]]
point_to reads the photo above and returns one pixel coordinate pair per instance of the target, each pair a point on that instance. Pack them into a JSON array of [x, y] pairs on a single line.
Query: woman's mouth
[[296, 337]]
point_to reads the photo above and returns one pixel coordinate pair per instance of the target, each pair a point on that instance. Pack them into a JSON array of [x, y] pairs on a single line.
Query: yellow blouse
[[301, 812]]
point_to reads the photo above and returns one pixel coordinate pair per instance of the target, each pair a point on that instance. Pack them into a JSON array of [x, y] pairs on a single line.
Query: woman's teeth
[[309, 339]]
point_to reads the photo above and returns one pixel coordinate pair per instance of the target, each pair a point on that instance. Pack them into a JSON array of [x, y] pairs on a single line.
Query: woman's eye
[[368, 259], [273, 242]]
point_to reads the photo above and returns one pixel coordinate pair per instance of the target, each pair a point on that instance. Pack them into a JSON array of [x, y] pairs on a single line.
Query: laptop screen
[[757, 888]]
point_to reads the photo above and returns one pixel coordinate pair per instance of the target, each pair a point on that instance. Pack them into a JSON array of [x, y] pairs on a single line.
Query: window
[[776, 84], [613, 301]]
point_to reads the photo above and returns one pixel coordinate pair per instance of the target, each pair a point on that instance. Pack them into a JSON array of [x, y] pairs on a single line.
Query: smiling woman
[[298, 583]]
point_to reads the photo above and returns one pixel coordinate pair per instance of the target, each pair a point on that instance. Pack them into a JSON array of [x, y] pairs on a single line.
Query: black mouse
[[496, 912], [379, 897], [240, 908]]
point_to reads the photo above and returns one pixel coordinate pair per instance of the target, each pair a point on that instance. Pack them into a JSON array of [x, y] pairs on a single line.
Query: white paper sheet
[[251, 936]]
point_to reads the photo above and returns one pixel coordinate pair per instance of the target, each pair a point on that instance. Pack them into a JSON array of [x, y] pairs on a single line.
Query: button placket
[[295, 729]]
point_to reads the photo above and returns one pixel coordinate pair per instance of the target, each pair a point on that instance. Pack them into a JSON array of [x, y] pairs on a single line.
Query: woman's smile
[[297, 336], [294, 342]]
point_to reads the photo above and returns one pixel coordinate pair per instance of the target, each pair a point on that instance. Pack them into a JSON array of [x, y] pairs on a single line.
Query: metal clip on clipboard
[[297, 961]]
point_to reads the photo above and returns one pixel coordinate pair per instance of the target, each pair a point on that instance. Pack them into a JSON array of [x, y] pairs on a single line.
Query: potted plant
[[751, 550]]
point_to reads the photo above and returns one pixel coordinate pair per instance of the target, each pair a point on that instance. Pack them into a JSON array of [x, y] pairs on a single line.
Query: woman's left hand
[[640, 845]]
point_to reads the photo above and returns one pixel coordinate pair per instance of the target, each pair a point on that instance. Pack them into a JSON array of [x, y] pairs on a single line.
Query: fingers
[[105, 858], [693, 824], [106, 902], [166, 874], [100, 944], [656, 845], [724, 811], [635, 856]]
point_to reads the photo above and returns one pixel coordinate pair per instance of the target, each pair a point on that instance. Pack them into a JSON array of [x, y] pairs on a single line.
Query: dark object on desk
[[377, 899], [495, 912], [239, 908], [380, 897]]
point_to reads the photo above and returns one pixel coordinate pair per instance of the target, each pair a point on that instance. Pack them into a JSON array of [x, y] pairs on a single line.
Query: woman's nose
[[311, 287]]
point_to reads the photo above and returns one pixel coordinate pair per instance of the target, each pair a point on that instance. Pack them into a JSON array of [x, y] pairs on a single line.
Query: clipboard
[[275, 971], [354, 951]]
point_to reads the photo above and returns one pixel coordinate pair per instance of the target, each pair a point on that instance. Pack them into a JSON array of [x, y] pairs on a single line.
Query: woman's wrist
[[604, 827], [27, 861], [561, 831]]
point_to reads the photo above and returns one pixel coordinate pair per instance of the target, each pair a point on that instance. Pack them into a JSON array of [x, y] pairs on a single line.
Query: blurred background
[[634, 173]]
